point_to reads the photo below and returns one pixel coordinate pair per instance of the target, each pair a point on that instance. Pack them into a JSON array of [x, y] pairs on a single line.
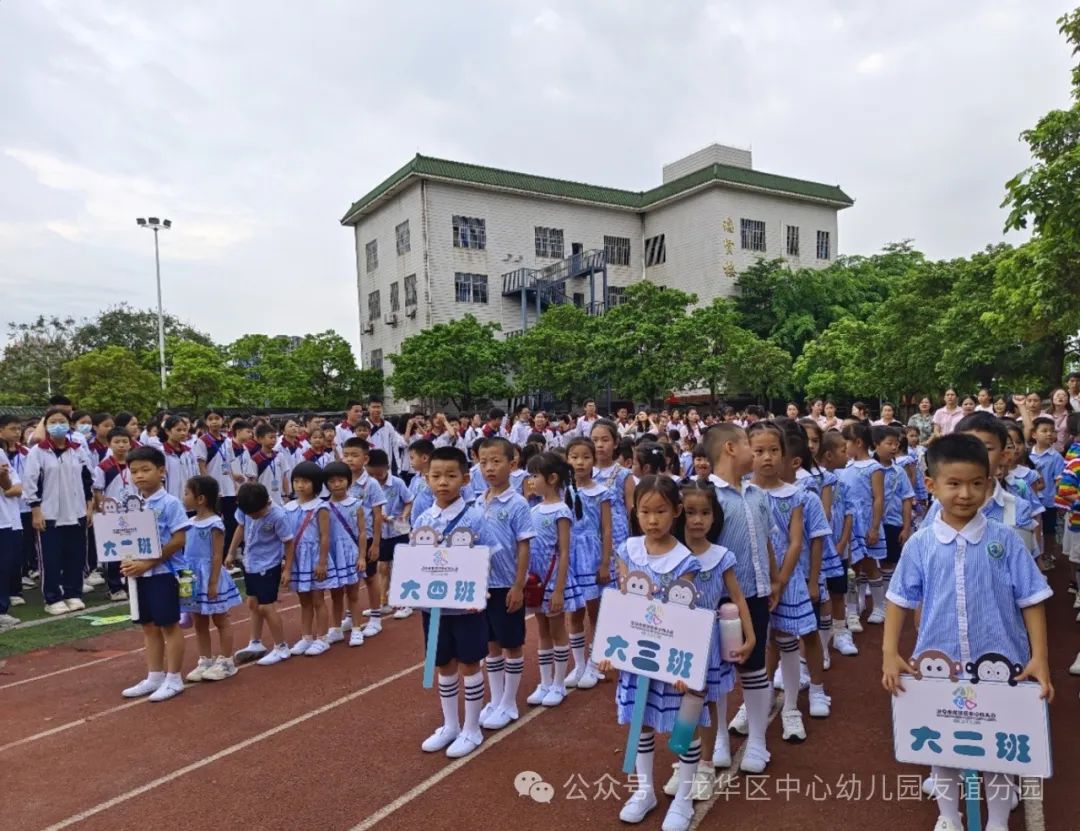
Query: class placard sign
[[665, 641], [126, 535], [430, 575], [994, 726]]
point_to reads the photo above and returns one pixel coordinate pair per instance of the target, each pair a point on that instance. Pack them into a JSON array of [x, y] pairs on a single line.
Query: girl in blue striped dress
[[312, 569], [549, 559], [793, 618], [590, 553], [347, 532], [832, 456], [214, 591], [865, 480], [613, 476], [657, 504]]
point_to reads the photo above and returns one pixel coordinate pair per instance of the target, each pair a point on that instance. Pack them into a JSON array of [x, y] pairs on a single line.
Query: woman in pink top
[[946, 419], [1060, 408]]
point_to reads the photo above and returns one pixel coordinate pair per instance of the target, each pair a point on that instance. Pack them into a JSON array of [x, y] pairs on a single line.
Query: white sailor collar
[[711, 558], [550, 507], [662, 564], [720, 483], [782, 491], [997, 496], [863, 462], [971, 533], [451, 510], [502, 497], [595, 490]]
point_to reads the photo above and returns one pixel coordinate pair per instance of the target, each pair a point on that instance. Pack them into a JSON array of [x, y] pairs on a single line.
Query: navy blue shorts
[[371, 567], [462, 638], [893, 546], [1049, 523], [159, 600], [837, 585], [505, 628], [263, 587], [759, 617], [387, 546]]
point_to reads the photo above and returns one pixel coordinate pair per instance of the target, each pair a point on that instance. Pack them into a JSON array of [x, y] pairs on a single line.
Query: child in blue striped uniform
[[312, 570], [899, 496], [590, 554], [355, 455], [1050, 464], [865, 480], [395, 523], [508, 528], [549, 559], [657, 504], [613, 476], [912, 461], [348, 538], [214, 590], [419, 458], [832, 456], [1003, 610]]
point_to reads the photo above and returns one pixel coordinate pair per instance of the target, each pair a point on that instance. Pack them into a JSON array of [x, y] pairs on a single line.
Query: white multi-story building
[[439, 239]]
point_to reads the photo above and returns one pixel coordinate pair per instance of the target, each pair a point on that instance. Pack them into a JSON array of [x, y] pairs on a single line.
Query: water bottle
[[731, 633], [686, 722]]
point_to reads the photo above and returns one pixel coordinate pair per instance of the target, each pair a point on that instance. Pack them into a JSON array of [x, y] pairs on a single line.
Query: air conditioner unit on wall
[[410, 311], [367, 328], [391, 319]]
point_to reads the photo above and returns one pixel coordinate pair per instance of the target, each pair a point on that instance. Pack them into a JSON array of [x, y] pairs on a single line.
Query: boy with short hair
[[463, 635], [1050, 464], [111, 478], [10, 543], [395, 525], [995, 560], [355, 455], [420, 459], [266, 468], [317, 451], [509, 527], [493, 426], [26, 560], [214, 455], [156, 583], [268, 554]]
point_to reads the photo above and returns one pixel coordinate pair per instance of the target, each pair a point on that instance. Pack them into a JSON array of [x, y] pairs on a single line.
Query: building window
[[655, 252], [404, 245], [395, 298], [752, 233], [616, 295], [372, 252], [617, 250], [410, 290], [373, 306], [579, 299], [823, 245], [469, 233], [793, 240], [376, 359], [470, 288], [549, 242]]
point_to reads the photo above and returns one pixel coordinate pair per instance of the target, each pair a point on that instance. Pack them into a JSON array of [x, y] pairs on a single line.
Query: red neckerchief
[[251, 446], [97, 446], [111, 463], [311, 454], [174, 451], [301, 436], [47, 444], [288, 444]]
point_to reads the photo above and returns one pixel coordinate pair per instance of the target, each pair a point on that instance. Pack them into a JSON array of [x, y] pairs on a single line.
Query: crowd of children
[[810, 526]]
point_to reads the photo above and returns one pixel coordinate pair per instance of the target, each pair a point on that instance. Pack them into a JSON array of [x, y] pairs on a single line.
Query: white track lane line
[[228, 751]]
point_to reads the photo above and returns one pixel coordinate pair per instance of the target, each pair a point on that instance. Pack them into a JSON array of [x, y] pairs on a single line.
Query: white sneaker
[[235, 570], [721, 757], [854, 624], [199, 672], [356, 637], [57, 608], [740, 724], [497, 719], [118, 595], [877, 616], [1078, 618], [464, 744], [844, 643], [826, 661], [672, 786], [819, 704], [223, 668], [144, 687], [555, 696], [928, 785], [253, 650], [373, 628], [704, 783], [95, 579], [301, 646], [1076, 600], [536, 697], [275, 656], [588, 679], [7, 621], [402, 613], [1075, 668], [793, 726], [439, 740], [946, 824], [755, 759], [385, 610], [573, 676], [74, 604], [166, 691], [778, 680], [87, 587], [334, 635], [486, 712], [318, 647], [346, 622], [679, 815], [17, 600], [638, 806], [29, 582]]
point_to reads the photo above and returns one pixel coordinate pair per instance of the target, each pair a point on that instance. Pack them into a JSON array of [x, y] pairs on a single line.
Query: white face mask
[[57, 431], [84, 428]]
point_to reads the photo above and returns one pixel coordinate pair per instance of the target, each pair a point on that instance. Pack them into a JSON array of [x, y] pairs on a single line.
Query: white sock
[[723, 740], [688, 763], [886, 578], [508, 700], [255, 644], [643, 764], [825, 632], [757, 693], [173, 679], [562, 658], [789, 671], [877, 593], [838, 626], [947, 791], [474, 701], [495, 667], [547, 666], [448, 696], [155, 677], [998, 788], [577, 647]]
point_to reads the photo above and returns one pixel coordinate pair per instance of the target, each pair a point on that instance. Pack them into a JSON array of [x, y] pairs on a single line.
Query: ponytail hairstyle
[[671, 457], [651, 459], [625, 451], [859, 431], [708, 490], [798, 445], [204, 486], [551, 464], [663, 485]]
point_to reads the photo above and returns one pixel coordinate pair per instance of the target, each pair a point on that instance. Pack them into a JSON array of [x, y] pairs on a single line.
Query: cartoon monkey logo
[[638, 582], [681, 593], [936, 664], [462, 537], [993, 666], [425, 536]]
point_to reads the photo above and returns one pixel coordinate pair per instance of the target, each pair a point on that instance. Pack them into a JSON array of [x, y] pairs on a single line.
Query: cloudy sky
[[254, 124]]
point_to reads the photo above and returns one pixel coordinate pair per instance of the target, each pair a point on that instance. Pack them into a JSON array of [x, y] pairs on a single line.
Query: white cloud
[[871, 64]]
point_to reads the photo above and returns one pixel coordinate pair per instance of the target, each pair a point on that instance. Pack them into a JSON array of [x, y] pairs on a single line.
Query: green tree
[[135, 330], [322, 372], [111, 379], [461, 362], [32, 365], [200, 376], [639, 346], [553, 356], [1047, 307]]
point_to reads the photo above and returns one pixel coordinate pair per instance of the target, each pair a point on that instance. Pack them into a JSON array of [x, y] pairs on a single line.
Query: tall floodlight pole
[[155, 225]]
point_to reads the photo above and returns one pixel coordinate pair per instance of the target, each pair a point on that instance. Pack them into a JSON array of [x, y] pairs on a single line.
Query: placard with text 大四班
[[430, 576]]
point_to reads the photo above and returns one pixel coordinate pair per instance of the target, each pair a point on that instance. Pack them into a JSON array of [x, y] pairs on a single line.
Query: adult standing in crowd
[[585, 423], [354, 414], [947, 417], [923, 420], [384, 436]]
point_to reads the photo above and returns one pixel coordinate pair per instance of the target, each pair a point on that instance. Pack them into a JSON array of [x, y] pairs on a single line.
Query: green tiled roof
[[421, 167]]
